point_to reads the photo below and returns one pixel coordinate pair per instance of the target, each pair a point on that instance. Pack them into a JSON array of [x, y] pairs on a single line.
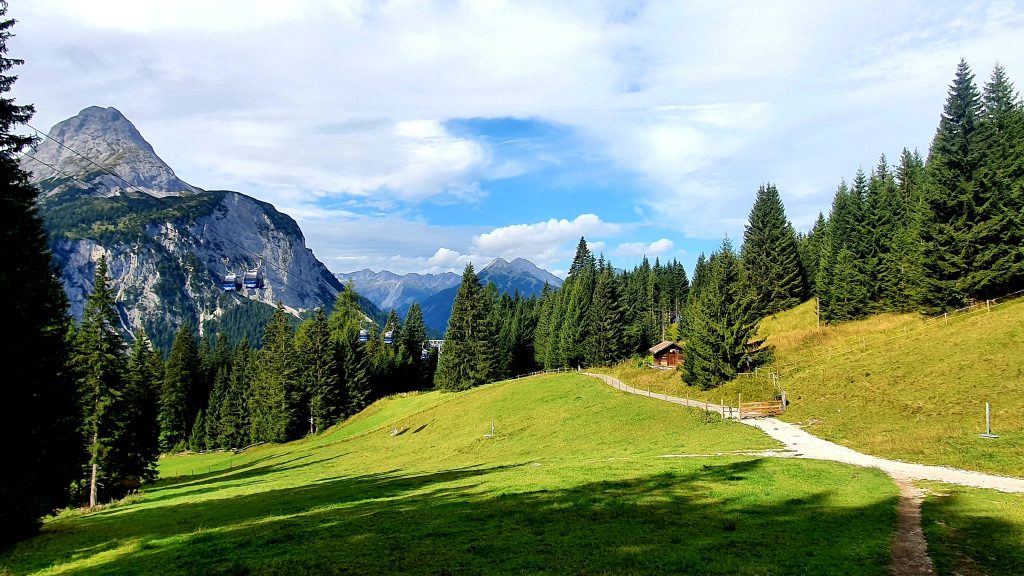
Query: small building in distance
[[667, 353]]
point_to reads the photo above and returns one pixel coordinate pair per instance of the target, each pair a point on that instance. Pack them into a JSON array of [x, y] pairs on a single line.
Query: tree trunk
[[92, 480]]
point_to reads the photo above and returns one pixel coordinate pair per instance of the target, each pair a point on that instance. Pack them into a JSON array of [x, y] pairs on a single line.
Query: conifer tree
[[723, 325], [180, 376], [605, 319], [948, 196], [810, 246], [234, 411], [140, 443], [465, 360], [842, 278], [197, 441], [578, 290], [272, 409], [995, 233], [318, 372], [220, 371], [39, 406], [770, 254], [414, 331], [101, 362]]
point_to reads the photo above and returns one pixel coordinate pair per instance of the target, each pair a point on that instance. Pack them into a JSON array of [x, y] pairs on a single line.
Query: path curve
[[803, 444]]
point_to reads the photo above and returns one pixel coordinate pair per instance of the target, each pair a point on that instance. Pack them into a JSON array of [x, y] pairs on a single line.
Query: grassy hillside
[[900, 386], [572, 481]]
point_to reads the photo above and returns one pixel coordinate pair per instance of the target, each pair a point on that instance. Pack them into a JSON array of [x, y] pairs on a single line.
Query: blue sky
[[418, 136]]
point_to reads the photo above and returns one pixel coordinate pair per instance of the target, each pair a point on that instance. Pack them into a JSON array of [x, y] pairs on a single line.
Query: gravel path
[[802, 444]]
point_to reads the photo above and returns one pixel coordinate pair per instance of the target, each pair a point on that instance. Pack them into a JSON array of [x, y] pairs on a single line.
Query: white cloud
[[542, 239], [635, 249], [304, 103]]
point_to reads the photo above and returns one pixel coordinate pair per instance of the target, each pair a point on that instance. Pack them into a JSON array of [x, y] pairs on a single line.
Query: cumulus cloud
[[656, 248], [541, 237]]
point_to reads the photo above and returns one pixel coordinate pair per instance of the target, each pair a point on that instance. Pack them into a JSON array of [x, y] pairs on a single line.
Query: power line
[[131, 187]]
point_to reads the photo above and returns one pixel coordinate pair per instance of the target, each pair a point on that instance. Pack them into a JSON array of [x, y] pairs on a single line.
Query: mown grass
[[973, 531], [899, 386], [573, 481]]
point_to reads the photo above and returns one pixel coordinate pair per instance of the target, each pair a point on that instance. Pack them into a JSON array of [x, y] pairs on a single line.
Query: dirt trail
[[909, 549]]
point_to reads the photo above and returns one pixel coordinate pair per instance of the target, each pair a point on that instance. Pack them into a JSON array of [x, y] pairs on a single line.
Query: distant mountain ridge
[[436, 292], [390, 291], [518, 275], [167, 242]]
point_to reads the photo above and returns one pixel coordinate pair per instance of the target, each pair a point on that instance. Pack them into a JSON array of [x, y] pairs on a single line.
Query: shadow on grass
[[963, 541], [680, 522]]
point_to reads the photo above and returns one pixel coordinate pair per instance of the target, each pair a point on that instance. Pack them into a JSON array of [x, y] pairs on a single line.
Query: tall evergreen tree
[[140, 443], [949, 196], [770, 254], [318, 373], [465, 359], [180, 375], [100, 357], [605, 318], [272, 409], [39, 405], [996, 234], [414, 331], [842, 283], [810, 246], [723, 325], [234, 411]]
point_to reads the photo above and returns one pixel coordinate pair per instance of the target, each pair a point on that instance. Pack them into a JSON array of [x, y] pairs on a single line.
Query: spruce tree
[[995, 233], [234, 411], [465, 359], [770, 254], [141, 403], [949, 196], [180, 375], [842, 273], [272, 408], [604, 344], [101, 363], [414, 331], [39, 406], [318, 372], [724, 321], [810, 246]]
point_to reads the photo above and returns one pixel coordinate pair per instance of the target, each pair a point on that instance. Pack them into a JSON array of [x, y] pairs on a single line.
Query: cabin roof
[[663, 346]]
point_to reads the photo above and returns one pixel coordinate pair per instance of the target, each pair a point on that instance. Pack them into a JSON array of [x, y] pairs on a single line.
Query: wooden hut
[[667, 353]]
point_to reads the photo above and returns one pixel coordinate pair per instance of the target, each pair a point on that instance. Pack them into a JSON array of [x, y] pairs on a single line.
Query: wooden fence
[[758, 409]]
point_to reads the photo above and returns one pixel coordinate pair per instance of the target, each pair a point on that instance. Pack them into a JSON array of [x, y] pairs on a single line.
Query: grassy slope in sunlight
[[572, 482], [893, 385]]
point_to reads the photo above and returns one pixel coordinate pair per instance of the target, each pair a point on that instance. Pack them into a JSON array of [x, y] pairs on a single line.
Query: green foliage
[[770, 254], [322, 392], [604, 344], [272, 398], [467, 357], [39, 411], [809, 247], [141, 402], [723, 325], [180, 381]]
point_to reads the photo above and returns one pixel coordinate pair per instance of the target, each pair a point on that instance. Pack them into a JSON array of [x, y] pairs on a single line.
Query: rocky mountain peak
[[97, 141]]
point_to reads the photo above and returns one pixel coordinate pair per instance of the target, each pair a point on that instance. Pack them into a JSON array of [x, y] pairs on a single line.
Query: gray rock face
[[98, 141], [393, 291], [167, 248]]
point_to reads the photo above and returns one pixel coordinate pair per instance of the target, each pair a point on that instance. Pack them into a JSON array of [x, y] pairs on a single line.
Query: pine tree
[[948, 196], [842, 284], [197, 441], [723, 325], [180, 376], [414, 331], [101, 362], [604, 344], [272, 410], [884, 211], [810, 246], [770, 254], [578, 290], [318, 372], [220, 371], [465, 360], [234, 411], [140, 444], [39, 406], [995, 233]]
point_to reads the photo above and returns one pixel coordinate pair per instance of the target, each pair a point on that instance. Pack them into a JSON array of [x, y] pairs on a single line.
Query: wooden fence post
[[739, 406]]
